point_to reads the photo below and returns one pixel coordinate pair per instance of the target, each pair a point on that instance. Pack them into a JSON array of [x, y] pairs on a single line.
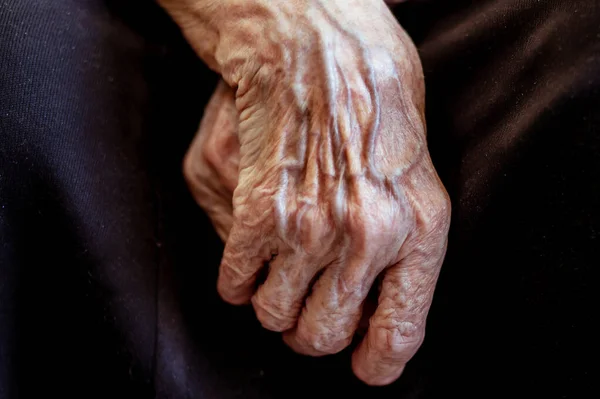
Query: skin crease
[[211, 163], [329, 181]]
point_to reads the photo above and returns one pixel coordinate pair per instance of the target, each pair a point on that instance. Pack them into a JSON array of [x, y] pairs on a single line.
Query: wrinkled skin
[[334, 185], [211, 163]]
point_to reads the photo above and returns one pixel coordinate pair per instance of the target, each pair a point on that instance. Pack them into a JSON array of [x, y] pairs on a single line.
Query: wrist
[[237, 38], [229, 35]]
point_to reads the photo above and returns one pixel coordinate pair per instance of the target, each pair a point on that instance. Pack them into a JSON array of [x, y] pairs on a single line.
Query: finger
[[210, 165], [244, 256], [215, 201], [333, 310], [279, 300], [397, 328], [222, 147], [221, 219], [209, 191]]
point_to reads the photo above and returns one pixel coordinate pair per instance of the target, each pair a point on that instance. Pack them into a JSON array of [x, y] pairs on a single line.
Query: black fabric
[[108, 268]]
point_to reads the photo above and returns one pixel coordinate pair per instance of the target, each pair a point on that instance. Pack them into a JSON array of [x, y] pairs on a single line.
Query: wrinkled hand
[[335, 185]]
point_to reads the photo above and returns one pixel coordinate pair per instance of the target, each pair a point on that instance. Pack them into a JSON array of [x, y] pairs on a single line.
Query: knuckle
[[356, 224], [375, 215], [232, 277], [211, 154], [273, 315], [331, 347], [437, 215], [323, 344], [250, 204], [231, 296], [352, 287], [361, 226], [313, 229], [433, 222], [396, 340], [323, 339], [191, 168], [443, 208], [199, 180]]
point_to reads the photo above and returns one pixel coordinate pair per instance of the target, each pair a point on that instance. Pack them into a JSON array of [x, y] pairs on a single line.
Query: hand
[[336, 186]]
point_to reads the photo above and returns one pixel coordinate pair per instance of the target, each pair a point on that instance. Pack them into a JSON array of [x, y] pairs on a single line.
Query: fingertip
[[271, 317], [234, 297], [236, 281], [307, 341], [236, 300], [368, 371], [290, 338]]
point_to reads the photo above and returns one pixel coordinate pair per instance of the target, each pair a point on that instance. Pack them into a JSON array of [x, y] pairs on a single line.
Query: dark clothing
[[108, 268]]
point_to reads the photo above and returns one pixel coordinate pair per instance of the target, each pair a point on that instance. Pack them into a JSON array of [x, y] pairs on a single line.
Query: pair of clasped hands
[[312, 161]]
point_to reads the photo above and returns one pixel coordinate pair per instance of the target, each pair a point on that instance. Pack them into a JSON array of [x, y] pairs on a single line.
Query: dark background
[[108, 268]]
